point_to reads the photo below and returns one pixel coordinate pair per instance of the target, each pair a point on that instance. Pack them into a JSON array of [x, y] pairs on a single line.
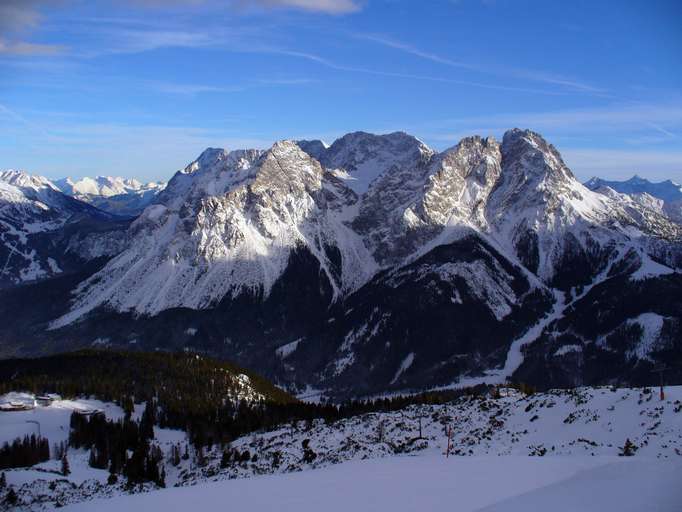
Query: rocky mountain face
[[378, 264], [44, 232], [119, 196]]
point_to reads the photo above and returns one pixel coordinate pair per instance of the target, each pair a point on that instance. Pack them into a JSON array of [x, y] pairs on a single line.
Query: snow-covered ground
[[509, 452], [52, 422], [396, 484]]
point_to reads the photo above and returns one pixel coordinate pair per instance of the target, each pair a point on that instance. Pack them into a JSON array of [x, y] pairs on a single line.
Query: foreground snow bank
[[435, 483]]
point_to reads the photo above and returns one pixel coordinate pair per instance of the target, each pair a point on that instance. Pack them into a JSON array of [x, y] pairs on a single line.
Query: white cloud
[[16, 18], [321, 6], [18, 15], [532, 75], [27, 49], [410, 76]]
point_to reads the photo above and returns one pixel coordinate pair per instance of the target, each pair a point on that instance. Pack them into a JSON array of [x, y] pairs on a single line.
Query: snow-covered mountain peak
[[315, 148], [105, 186], [208, 159], [530, 155], [360, 157], [24, 180], [214, 172], [461, 179]]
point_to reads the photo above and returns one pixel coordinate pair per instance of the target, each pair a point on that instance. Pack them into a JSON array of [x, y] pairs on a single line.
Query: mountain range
[[120, 196], [372, 265], [665, 196]]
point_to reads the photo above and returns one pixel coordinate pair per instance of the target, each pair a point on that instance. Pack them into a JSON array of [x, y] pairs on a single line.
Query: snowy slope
[[532, 450], [588, 484]]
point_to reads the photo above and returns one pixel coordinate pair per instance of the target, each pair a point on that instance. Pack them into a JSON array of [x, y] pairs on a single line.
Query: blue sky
[[138, 88]]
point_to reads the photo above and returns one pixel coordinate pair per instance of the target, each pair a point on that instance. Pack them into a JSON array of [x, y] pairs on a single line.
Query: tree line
[[24, 452]]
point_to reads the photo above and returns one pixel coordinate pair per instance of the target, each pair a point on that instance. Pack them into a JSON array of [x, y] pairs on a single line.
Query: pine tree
[[3, 480], [92, 460], [65, 466], [225, 459], [201, 458], [175, 455], [11, 498], [112, 479]]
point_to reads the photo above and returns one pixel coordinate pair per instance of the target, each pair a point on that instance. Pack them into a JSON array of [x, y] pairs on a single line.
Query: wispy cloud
[[14, 118], [411, 76], [322, 6], [16, 18], [613, 119], [195, 89], [18, 15], [23, 48], [531, 75], [407, 48]]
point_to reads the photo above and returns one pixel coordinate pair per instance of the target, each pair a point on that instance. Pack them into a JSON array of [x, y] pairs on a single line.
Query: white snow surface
[[651, 325], [431, 483], [573, 438]]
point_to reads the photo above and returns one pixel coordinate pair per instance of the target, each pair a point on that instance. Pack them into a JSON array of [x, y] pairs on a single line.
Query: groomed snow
[[434, 483]]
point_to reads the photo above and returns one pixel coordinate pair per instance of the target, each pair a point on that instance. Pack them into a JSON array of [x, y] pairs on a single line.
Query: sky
[[138, 88]]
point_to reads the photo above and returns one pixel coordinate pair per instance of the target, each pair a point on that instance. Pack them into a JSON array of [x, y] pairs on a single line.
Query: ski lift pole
[[660, 371]]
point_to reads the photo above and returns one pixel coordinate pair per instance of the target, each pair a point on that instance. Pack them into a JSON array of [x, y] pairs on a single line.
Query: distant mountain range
[[44, 232], [120, 196], [666, 196], [374, 265]]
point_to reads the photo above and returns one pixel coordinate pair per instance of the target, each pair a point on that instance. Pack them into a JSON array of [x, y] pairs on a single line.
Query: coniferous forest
[[198, 395]]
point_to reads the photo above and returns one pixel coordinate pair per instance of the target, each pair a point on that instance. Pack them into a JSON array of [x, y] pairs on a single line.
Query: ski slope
[[434, 483]]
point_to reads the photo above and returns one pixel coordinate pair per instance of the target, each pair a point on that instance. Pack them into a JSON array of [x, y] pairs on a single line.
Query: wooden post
[[447, 451], [660, 371]]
